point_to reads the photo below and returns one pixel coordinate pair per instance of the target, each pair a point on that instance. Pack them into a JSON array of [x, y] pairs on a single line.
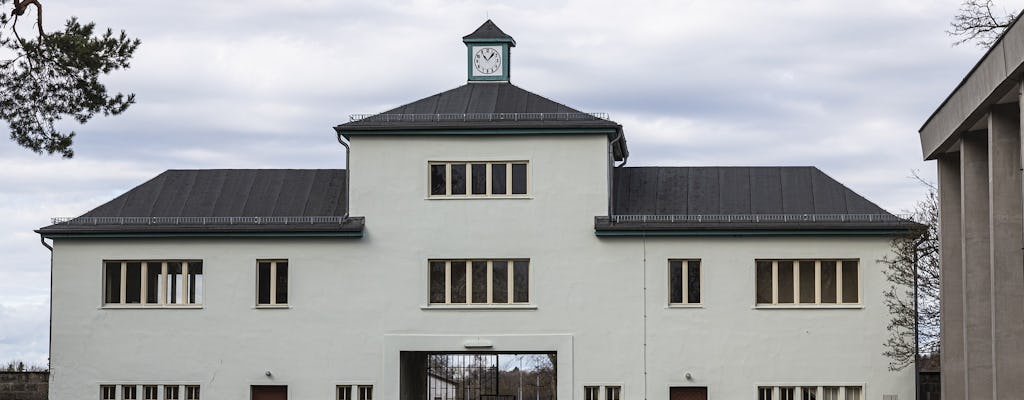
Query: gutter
[[348, 175]]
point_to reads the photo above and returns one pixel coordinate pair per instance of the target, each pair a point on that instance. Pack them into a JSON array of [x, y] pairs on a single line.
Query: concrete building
[[477, 224], [975, 138]]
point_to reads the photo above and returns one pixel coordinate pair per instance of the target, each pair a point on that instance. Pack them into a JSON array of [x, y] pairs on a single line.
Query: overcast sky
[[841, 85]]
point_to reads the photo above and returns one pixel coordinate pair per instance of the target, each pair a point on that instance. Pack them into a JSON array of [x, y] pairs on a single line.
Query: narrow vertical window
[[854, 393], [282, 283], [479, 282], [263, 283], [521, 281], [112, 283], [809, 393], [785, 282], [499, 279], [612, 393], [365, 392], [192, 392], [479, 173], [438, 183], [807, 282], [174, 283], [154, 271], [518, 178], [458, 281], [195, 282], [851, 288], [437, 282], [830, 393], [765, 393], [133, 283], [828, 282], [458, 179], [109, 392], [498, 181], [591, 392], [675, 279], [171, 392], [345, 392], [693, 282], [764, 282]]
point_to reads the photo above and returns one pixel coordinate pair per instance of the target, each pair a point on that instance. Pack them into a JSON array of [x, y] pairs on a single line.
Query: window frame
[[796, 295], [162, 281], [601, 391], [273, 283], [685, 283], [488, 189], [468, 301], [775, 391]]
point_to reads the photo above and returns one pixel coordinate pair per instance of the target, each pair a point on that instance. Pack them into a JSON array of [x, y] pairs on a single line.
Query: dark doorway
[[269, 392], [478, 376], [688, 393]]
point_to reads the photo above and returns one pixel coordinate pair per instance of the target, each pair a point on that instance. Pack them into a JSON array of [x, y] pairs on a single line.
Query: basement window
[[149, 392], [807, 282], [171, 392], [809, 392], [192, 392], [152, 283], [479, 282], [478, 179], [108, 392], [129, 392], [272, 283]]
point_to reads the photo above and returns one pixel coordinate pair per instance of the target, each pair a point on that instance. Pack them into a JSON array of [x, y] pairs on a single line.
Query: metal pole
[[917, 319]]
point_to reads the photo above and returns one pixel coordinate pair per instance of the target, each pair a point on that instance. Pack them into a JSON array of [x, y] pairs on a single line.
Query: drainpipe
[[611, 171], [917, 318], [49, 339], [348, 175]]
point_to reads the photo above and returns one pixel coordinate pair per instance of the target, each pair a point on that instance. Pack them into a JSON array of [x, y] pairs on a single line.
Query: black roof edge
[[603, 226], [352, 225]]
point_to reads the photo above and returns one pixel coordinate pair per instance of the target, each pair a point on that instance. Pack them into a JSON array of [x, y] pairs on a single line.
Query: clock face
[[487, 61]]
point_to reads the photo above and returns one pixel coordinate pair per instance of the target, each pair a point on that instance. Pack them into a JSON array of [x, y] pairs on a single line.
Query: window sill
[[696, 305], [478, 307], [808, 307], [482, 197], [272, 307], [150, 307]]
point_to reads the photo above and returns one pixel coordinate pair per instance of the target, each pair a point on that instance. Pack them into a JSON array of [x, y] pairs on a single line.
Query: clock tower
[[488, 51]]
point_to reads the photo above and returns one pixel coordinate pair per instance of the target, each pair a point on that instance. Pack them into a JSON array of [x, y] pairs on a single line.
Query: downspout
[[611, 171], [917, 318], [348, 175], [49, 339]]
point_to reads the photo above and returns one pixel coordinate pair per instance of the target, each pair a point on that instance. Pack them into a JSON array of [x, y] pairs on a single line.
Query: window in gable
[[478, 179]]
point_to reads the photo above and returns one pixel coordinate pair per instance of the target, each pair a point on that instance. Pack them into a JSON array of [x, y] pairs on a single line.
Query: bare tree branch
[[977, 22]]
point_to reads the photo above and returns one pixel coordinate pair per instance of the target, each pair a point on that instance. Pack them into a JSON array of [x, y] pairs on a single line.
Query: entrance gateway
[[479, 376]]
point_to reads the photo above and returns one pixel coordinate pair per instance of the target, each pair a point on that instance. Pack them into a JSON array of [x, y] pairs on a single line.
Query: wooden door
[[270, 393], [688, 393]]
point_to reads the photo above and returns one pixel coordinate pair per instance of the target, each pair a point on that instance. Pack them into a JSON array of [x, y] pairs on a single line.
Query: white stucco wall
[[355, 303]]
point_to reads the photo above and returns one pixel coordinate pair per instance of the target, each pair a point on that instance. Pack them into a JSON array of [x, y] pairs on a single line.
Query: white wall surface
[[354, 303]]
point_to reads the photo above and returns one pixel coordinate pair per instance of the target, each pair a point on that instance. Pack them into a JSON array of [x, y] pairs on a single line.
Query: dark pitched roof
[[756, 198], [489, 31], [224, 200], [486, 105]]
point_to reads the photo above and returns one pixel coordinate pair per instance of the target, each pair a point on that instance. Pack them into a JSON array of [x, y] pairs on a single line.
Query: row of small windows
[[149, 392], [810, 393], [481, 179], [610, 393], [191, 392], [484, 282], [479, 281]]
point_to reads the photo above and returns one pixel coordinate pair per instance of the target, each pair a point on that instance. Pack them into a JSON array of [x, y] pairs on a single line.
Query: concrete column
[[1007, 236], [952, 289], [977, 278]]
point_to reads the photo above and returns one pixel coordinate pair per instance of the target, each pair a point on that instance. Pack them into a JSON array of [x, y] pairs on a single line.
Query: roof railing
[[478, 117], [759, 218], [199, 220]]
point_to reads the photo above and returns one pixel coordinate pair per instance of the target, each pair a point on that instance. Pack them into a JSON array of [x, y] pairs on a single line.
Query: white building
[[482, 223]]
